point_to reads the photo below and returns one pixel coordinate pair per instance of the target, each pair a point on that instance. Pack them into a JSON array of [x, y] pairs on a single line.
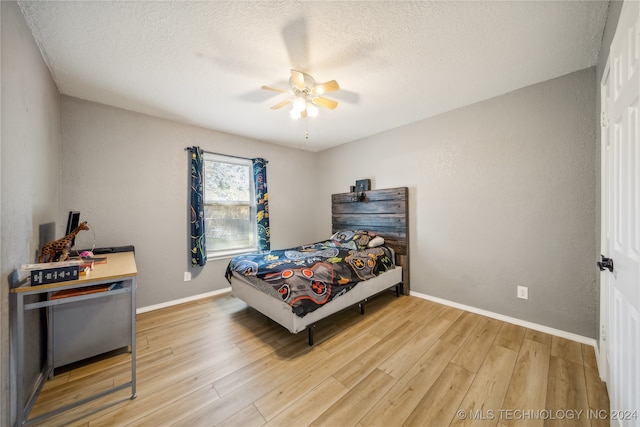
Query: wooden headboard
[[384, 211]]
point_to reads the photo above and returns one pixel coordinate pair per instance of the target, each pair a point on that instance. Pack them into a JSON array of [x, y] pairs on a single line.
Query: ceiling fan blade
[[298, 78], [296, 41], [326, 87], [275, 89], [281, 104], [325, 102]]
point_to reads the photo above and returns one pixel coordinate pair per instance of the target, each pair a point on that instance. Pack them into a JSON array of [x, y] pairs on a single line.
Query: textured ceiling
[[203, 63]]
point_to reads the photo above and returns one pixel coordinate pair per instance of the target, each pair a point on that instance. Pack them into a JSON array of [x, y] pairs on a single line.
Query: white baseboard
[[524, 323], [182, 300]]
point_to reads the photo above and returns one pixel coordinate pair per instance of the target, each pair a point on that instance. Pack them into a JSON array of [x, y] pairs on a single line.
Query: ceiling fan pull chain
[[306, 128]]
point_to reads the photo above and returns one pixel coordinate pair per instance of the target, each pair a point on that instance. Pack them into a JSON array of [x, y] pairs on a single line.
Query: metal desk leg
[[20, 360], [50, 341], [133, 338]]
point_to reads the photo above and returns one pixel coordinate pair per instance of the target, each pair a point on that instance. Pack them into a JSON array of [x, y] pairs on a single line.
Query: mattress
[[280, 311]]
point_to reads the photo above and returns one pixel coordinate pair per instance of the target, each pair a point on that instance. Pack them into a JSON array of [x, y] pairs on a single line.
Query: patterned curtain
[[262, 203], [198, 238]]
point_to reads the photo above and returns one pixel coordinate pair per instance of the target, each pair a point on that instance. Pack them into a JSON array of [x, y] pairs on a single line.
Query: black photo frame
[[363, 185]]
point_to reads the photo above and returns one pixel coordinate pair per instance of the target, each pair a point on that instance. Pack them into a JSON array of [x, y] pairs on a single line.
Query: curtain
[[262, 203], [198, 238]]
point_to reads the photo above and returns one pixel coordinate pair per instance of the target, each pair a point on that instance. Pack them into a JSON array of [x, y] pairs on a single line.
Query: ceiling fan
[[306, 94]]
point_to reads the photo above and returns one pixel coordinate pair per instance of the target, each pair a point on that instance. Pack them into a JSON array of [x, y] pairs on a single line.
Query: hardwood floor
[[406, 362]]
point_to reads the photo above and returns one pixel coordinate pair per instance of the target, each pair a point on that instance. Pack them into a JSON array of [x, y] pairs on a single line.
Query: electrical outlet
[[187, 276], [523, 292]]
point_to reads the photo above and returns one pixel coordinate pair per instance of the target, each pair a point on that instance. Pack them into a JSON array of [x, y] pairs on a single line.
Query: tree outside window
[[230, 209]]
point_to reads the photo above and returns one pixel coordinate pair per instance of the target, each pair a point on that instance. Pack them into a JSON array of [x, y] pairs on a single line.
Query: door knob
[[606, 263]]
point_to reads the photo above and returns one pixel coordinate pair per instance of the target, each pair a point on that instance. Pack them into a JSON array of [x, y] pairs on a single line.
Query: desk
[[120, 267]]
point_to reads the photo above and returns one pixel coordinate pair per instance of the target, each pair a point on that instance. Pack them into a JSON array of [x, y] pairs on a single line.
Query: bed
[[366, 254]]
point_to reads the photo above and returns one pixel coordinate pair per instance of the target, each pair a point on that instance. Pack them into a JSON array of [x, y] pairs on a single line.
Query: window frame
[[230, 252]]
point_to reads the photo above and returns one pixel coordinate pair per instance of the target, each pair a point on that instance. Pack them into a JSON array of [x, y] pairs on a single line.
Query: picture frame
[[363, 184]]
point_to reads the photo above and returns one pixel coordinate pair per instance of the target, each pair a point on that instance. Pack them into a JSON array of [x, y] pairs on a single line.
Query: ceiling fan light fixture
[[303, 107], [312, 110], [299, 105]]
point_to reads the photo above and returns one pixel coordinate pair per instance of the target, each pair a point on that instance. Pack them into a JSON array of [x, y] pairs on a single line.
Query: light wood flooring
[[406, 362]]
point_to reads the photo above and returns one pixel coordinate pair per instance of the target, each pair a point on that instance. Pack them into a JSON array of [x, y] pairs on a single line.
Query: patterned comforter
[[306, 277]]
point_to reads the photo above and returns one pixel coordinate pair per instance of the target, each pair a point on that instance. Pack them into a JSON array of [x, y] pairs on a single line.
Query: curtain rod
[[222, 154]]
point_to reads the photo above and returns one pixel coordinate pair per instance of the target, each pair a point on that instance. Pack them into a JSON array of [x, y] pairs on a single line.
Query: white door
[[624, 216], [604, 226]]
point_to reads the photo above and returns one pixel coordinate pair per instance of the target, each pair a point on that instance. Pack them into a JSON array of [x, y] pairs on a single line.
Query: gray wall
[[127, 174], [30, 175], [502, 193]]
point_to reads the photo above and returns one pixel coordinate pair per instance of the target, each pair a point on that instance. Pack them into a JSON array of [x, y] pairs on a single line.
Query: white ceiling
[[397, 62]]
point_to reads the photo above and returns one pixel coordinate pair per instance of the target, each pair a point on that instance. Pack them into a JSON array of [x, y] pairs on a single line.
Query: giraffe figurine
[[62, 246]]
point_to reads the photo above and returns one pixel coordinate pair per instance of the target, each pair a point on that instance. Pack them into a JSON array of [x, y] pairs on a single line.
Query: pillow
[[354, 239], [376, 241]]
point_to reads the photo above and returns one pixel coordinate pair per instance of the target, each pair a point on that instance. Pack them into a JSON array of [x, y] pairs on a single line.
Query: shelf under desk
[[102, 320]]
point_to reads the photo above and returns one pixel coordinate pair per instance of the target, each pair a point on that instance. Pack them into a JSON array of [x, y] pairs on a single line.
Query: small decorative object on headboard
[[359, 196], [362, 185]]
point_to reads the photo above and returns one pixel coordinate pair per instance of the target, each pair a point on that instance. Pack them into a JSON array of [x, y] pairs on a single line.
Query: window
[[229, 206]]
